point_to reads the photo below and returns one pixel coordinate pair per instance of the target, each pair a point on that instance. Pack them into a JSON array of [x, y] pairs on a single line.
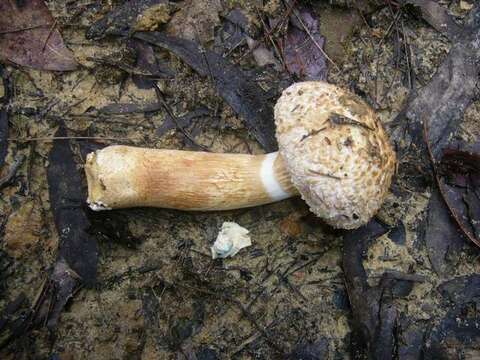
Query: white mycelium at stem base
[[332, 148]]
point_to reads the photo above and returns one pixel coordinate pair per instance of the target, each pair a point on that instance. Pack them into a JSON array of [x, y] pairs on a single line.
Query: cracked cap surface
[[336, 150]]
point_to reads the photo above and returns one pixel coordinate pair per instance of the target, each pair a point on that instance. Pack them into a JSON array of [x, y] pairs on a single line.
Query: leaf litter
[[29, 37], [303, 46], [288, 291]]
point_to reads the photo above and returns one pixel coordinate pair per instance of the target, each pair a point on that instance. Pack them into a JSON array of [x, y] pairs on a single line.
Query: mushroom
[[333, 152]]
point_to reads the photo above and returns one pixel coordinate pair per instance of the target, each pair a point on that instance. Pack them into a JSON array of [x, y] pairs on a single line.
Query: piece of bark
[[240, 91], [29, 37]]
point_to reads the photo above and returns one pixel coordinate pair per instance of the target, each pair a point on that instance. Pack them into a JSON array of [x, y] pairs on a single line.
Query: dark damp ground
[[158, 294]]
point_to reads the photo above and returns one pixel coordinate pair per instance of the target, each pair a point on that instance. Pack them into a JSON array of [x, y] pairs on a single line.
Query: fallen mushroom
[[333, 152]]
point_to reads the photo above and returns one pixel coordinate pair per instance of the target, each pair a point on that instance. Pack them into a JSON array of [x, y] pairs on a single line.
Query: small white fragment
[[230, 240], [98, 206]]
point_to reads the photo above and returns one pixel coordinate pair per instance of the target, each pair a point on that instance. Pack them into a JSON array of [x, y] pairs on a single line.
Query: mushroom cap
[[336, 151]]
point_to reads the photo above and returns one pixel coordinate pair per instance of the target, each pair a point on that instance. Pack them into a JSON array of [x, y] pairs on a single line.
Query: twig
[[65, 138], [275, 47], [22, 29], [408, 56], [389, 29], [271, 30], [69, 107], [377, 54], [49, 35]]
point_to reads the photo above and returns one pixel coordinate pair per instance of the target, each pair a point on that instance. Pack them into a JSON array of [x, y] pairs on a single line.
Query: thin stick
[[389, 29], [49, 35], [22, 29], [64, 138], [275, 47], [271, 30]]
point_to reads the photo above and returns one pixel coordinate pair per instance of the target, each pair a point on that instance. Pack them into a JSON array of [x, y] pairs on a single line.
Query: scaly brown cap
[[336, 150]]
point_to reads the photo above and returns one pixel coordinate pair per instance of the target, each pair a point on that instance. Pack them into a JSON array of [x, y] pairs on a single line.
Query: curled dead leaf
[[459, 182]]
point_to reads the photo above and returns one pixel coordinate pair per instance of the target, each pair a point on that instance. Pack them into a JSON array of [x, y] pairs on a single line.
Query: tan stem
[[126, 176]]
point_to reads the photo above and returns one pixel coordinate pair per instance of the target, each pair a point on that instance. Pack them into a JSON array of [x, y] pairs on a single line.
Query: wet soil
[[159, 294]]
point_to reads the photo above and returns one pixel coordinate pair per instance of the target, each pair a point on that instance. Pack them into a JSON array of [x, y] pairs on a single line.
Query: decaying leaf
[[239, 90], [303, 47], [437, 16], [147, 63], [76, 264], [435, 114], [77, 247], [375, 316], [29, 37], [459, 181], [442, 236]]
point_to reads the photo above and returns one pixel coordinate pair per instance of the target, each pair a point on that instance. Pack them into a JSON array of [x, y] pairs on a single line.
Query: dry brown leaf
[[28, 37]]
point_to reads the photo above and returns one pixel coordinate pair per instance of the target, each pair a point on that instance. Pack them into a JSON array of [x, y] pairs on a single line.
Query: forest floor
[[158, 294]]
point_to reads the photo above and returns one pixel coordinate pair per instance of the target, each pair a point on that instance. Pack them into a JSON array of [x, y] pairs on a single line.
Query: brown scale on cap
[[336, 150]]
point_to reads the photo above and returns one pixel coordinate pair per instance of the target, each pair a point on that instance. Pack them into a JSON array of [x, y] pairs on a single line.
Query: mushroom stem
[[126, 176]]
